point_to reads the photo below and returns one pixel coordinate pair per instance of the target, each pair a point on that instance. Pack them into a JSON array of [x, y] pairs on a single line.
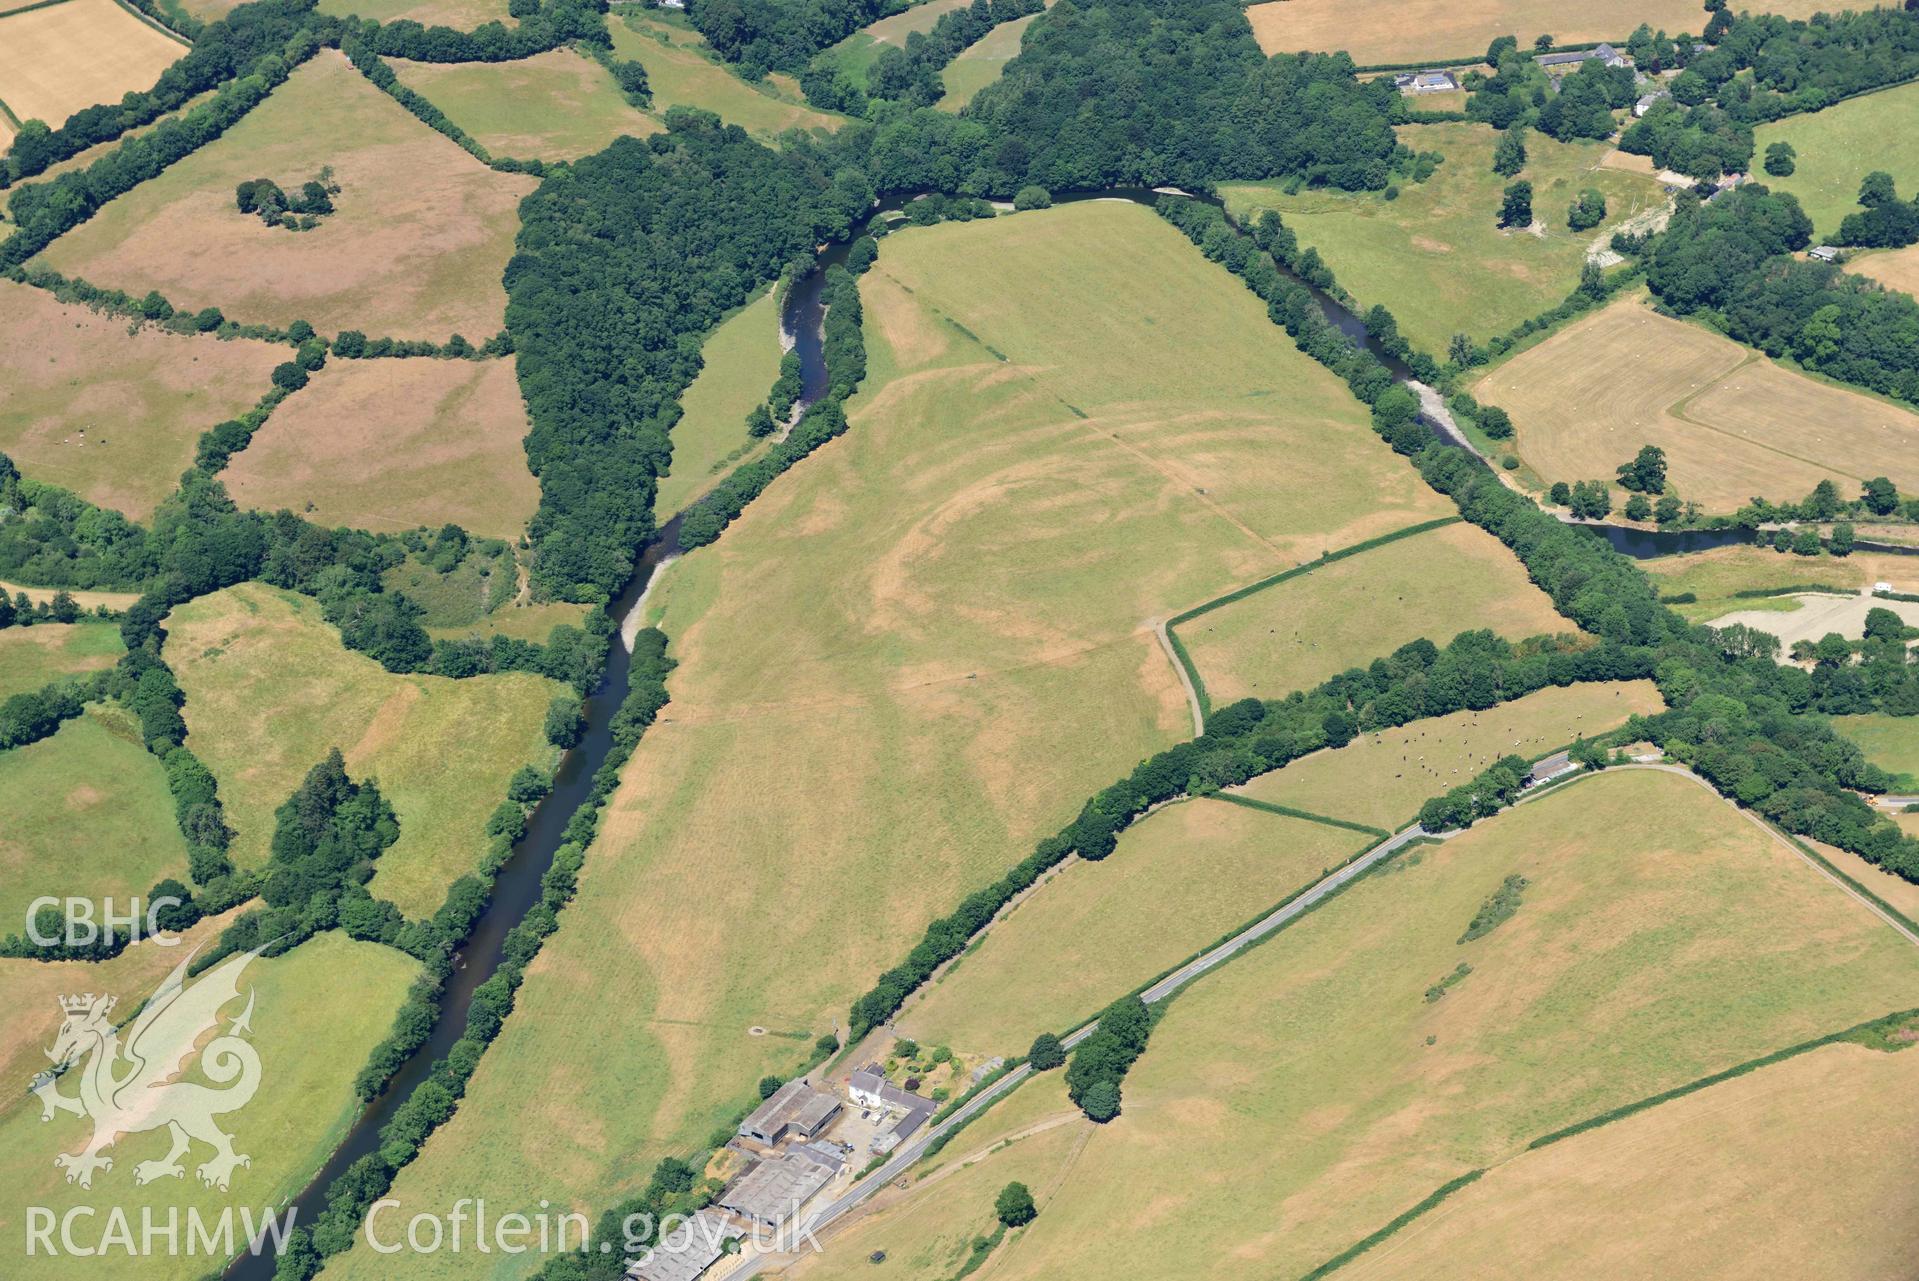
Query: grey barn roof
[[796, 1105], [687, 1251], [772, 1190]]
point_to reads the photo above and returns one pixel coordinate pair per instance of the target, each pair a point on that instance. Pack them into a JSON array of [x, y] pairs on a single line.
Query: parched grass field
[[1715, 576], [441, 749], [1902, 895], [1376, 31], [980, 65], [416, 249], [913, 656], [1295, 634], [110, 414], [1436, 256], [927, 1231], [388, 445], [739, 363], [88, 815], [1180, 880], [1799, 1169], [30, 1015], [461, 15], [1839, 146], [56, 60], [31, 657], [681, 73], [1383, 778], [1663, 937], [531, 621], [1897, 269], [558, 105], [1733, 424], [318, 1012]]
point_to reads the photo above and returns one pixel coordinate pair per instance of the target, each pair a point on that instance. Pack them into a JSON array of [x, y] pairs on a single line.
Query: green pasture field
[[110, 414], [1382, 778], [1180, 880], [31, 657], [1662, 937], [980, 65], [317, 1013], [681, 72], [558, 105], [740, 361], [1714, 577], [911, 658], [88, 815], [1295, 634], [1890, 742], [270, 690], [853, 55], [1436, 257], [1839, 146], [416, 248]]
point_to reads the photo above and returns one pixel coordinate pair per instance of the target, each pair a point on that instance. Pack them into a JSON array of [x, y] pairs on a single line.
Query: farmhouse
[[1425, 82], [1567, 61], [869, 1088], [773, 1191], [795, 1110], [1645, 104], [687, 1251]]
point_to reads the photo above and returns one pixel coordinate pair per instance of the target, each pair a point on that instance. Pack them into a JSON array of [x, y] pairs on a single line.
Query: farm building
[[1413, 82], [795, 1110], [1645, 104], [1823, 253], [1567, 61], [773, 1191], [869, 1088], [687, 1251]]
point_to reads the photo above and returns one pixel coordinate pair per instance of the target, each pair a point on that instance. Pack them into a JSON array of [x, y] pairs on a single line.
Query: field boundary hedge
[[39, 4], [1287, 811], [147, 18]]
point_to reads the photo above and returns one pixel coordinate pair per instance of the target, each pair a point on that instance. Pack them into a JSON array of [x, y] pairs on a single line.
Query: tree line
[[912, 74]]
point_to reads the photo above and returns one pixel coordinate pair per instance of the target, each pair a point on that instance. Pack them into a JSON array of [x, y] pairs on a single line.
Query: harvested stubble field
[[388, 445], [1436, 257], [980, 65], [927, 1230], [1799, 1169], [738, 365], [1312, 1078], [85, 599], [681, 73], [1733, 424], [558, 105], [1295, 634], [110, 414], [416, 248], [1896, 891], [56, 60], [1383, 778], [1839, 146], [912, 657], [88, 815], [318, 1011], [30, 657], [461, 15], [1380, 31], [441, 749], [1179, 881], [1898, 269]]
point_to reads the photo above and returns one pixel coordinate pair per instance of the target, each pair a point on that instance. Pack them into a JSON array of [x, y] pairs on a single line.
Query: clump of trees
[[911, 74], [1516, 205], [1885, 221], [1646, 473], [264, 198], [1587, 211], [1100, 1062]]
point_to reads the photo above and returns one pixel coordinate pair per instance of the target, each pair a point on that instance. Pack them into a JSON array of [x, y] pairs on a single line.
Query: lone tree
[[1046, 1054], [1779, 159], [1588, 211], [1014, 1206], [1646, 473], [1877, 190], [1516, 210], [1509, 157], [1495, 422], [1880, 496]]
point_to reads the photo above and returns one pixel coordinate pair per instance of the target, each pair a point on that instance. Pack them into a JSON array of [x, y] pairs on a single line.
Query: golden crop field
[[1180, 880], [421, 233], [1799, 1169], [392, 444], [1311, 1078], [558, 105], [109, 414], [1733, 424], [1382, 778], [441, 749], [461, 15], [1376, 31], [907, 661], [56, 60], [1896, 269], [329, 994], [1296, 634]]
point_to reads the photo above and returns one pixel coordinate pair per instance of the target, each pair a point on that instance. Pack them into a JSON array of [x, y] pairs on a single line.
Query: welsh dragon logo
[[134, 1088]]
